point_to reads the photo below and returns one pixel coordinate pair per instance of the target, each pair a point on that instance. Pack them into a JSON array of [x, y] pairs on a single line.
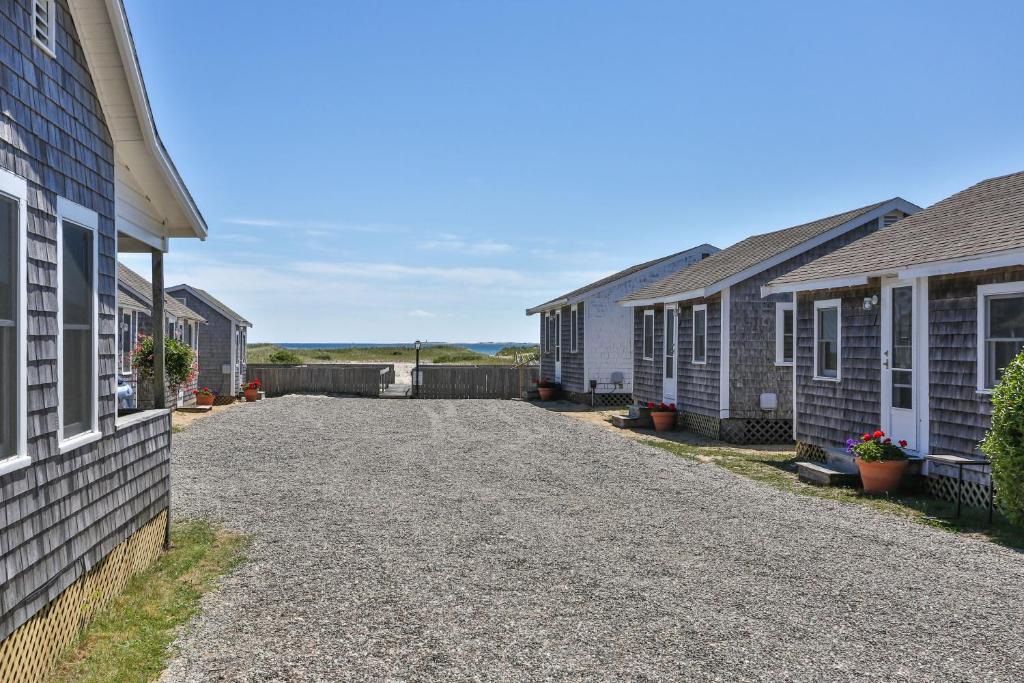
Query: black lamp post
[[416, 372]]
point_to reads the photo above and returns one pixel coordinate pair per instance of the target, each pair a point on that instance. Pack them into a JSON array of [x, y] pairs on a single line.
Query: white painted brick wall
[[608, 327]]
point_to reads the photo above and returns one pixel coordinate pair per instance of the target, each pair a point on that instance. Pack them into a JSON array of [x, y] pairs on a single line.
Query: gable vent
[[44, 25], [891, 218]]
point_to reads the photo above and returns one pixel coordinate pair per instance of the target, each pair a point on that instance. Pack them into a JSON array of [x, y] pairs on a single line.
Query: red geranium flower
[[879, 434], [865, 437], [903, 443], [650, 404]]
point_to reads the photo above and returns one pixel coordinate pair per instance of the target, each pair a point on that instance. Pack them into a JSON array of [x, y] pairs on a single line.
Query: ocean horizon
[[487, 348]]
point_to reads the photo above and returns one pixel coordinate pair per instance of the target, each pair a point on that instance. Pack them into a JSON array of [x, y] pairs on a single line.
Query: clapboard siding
[[959, 415], [828, 413], [752, 368], [63, 513], [648, 381], [698, 383]]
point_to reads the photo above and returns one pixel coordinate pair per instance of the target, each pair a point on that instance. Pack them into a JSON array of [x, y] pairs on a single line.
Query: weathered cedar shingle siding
[[828, 413], [699, 383], [752, 369], [959, 415], [572, 363], [214, 345], [63, 513], [647, 374]]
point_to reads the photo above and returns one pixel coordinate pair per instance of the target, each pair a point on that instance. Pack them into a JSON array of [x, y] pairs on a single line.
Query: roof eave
[[543, 308]]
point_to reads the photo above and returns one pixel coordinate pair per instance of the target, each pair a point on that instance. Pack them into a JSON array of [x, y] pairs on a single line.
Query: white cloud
[[453, 243], [420, 313]]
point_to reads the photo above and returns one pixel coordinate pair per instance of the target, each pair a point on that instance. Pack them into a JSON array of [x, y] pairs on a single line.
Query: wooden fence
[[325, 378], [476, 381]]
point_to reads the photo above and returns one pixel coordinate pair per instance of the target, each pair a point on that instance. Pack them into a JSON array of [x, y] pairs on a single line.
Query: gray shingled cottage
[[222, 345], [135, 317], [910, 327], [83, 177], [727, 360], [584, 334]]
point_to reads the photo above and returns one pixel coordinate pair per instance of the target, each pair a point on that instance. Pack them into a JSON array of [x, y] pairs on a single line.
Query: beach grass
[[441, 354]]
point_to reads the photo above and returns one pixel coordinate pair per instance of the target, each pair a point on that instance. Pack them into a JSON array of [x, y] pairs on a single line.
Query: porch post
[[159, 332]]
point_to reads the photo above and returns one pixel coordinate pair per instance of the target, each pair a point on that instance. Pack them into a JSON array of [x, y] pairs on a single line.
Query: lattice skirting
[[808, 451], [973, 494], [703, 425], [599, 400], [30, 652], [754, 430]]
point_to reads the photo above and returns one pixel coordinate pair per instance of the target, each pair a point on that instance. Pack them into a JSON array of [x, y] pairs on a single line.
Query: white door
[[900, 400], [669, 381], [558, 346]]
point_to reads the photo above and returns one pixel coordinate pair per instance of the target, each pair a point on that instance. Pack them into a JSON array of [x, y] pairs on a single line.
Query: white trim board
[[780, 325], [16, 187], [818, 305], [693, 334], [725, 343], [896, 204]]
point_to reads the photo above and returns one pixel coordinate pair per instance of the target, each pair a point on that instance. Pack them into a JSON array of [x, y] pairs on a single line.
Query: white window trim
[[780, 312], [89, 219], [985, 291], [574, 329], [643, 335], [693, 334], [838, 305], [16, 188], [133, 333], [50, 47]]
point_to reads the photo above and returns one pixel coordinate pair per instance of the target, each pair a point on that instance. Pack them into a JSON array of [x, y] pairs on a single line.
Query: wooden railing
[[474, 381], [322, 378]]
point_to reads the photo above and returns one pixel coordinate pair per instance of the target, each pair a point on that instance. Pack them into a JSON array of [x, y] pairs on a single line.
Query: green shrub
[[284, 357], [1004, 443], [179, 361]]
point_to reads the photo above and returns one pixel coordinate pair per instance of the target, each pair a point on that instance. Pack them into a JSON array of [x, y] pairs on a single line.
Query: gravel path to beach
[[489, 540]]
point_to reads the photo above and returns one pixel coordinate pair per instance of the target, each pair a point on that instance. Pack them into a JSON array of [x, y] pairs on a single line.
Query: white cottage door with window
[[900, 399], [670, 368], [558, 346]]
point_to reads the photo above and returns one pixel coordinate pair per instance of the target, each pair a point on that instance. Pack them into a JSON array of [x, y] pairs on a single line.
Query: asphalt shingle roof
[[983, 219], [143, 289], [214, 302], [743, 255], [626, 272]]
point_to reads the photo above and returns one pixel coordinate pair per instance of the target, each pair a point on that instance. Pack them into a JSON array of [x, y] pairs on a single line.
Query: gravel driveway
[[489, 540]]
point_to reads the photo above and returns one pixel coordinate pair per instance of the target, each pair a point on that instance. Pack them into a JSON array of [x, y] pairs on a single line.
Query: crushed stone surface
[[399, 540]]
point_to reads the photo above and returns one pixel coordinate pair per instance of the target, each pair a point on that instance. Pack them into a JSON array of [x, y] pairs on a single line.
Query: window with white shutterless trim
[[128, 332], [574, 330], [648, 335], [1000, 330], [700, 334], [13, 322], [77, 325], [785, 327], [828, 340], [44, 25]]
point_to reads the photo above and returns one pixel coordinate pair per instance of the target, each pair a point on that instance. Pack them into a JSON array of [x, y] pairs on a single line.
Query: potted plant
[[880, 461], [204, 397], [252, 391], [547, 389], [663, 415]]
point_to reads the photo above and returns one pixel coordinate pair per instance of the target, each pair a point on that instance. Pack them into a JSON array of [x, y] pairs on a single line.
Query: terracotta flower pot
[[663, 421], [546, 393], [252, 395], [883, 476], [204, 399]]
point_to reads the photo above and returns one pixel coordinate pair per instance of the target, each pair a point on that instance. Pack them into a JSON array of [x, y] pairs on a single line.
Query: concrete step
[[194, 409], [627, 422], [824, 475]]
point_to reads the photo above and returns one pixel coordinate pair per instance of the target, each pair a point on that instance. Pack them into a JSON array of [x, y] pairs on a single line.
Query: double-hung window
[[13, 379], [574, 330], [77, 371], [1000, 330], [828, 336], [700, 334], [785, 327], [648, 335]]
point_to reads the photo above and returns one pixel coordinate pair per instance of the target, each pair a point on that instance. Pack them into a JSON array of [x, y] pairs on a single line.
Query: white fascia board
[[670, 299], [811, 285], [966, 264], [550, 306]]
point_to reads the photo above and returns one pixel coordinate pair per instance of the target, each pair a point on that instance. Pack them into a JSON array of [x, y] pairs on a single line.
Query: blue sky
[[382, 171]]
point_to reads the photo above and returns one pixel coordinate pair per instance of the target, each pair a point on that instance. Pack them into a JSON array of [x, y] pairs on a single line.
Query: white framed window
[[77, 325], [1000, 330], [785, 333], [699, 354], [13, 323], [549, 337], [648, 335], [828, 340], [574, 330], [44, 25], [128, 333]]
